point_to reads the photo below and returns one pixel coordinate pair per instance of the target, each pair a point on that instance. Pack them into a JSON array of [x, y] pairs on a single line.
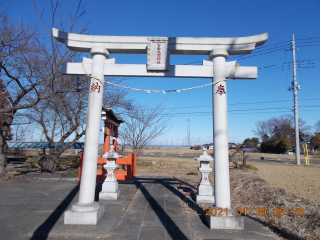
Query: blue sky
[[249, 101]]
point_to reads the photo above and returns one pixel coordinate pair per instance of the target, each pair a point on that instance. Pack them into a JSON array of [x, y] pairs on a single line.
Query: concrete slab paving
[[33, 209], [152, 232], [253, 230], [163, 218], [129, 225], [151, 209], [133, 212]]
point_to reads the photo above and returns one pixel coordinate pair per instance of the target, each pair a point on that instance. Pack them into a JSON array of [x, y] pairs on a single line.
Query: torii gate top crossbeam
[[176, 45]]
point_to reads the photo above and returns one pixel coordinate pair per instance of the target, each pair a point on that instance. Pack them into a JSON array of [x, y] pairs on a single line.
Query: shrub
[[268, 147], [144, 164], [283, 146], [248, 166], [192, 173]]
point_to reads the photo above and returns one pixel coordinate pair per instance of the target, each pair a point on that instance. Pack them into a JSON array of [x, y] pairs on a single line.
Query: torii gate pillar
[[86, 211], [220, 129], [229, 220]]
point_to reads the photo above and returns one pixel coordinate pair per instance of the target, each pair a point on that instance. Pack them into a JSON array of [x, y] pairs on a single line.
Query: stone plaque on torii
[[158, 50]]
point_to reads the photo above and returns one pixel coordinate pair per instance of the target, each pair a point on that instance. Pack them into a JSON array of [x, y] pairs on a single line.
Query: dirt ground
[[301, 181]]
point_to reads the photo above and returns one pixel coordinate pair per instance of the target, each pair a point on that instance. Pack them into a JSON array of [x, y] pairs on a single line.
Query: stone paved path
[[155, 212], [32, 209]]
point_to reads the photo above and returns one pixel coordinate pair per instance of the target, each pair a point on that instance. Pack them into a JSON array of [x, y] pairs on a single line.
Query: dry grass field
[[195, 153], [301, 181]]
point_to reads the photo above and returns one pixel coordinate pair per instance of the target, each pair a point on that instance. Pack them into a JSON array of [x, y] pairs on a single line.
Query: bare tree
[[143, 125], [317, 126], [277, 129], [116, 98], [64, 117], [60, 117], [29, 63], [238, 152], [4, 103]]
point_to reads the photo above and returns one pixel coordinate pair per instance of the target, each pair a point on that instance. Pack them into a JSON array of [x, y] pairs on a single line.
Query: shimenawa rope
[[163, 91]]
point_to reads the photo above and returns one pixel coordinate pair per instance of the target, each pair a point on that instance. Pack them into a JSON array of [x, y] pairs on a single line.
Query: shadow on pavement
[[97, 191], [171, 227], [192, 204], [44, 229]]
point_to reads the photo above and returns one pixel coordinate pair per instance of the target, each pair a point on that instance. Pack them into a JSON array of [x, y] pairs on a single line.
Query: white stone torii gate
[[158, 50]]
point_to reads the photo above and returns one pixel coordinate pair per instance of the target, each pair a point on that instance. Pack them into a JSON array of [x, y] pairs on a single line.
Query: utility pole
[[188, 133], [295, 87]]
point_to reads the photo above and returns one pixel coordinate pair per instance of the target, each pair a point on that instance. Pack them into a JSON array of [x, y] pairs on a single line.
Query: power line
[[188, 133], [300, 39], [259, 50], [245, 103], [259, 54], [241, 113], [310, 45], [237, 110], [302, 64]]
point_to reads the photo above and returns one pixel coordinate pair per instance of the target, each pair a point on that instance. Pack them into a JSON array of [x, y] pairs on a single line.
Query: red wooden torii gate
[[111, 125]]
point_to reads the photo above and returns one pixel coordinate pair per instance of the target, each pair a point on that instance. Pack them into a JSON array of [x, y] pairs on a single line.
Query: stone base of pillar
[[109, 195], [230, 221], [84, 214], [205, 199]]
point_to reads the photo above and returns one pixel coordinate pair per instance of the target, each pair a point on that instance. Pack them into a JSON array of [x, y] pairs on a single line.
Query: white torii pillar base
[[230, 221], [84, 214]]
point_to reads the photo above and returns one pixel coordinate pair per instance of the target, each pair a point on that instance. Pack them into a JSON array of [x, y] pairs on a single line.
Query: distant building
[[305, 140], [211, 145], [232, 145], [208, 146]]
